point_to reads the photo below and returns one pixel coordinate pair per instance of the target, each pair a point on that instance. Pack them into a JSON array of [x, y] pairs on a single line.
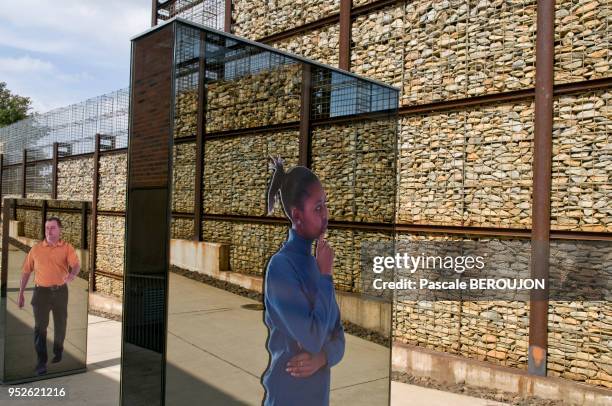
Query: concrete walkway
[[216, 352]]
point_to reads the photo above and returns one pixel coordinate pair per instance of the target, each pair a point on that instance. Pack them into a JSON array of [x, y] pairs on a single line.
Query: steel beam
[[542, 179]]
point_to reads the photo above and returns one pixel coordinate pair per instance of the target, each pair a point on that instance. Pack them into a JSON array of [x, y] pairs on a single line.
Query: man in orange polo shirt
[[55, 263]]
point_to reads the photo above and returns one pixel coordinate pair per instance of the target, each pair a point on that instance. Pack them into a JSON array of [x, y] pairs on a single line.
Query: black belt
[[52, 287]]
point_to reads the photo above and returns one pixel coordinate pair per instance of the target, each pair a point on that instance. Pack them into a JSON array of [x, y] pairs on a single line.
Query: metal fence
[[72, 127]]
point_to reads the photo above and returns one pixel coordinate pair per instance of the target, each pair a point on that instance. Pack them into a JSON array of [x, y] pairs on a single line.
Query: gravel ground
[[475, 391]]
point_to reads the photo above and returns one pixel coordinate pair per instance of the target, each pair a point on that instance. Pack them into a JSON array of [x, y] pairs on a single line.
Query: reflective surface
[[18, 324]]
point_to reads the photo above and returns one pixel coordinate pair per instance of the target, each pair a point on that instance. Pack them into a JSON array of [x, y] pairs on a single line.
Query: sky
[[64, 51]]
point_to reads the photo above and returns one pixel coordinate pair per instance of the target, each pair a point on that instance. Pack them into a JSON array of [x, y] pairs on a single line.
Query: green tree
[[12, 107]]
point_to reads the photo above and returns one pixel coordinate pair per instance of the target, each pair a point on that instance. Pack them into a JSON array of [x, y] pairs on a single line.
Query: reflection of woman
[[306, 337]]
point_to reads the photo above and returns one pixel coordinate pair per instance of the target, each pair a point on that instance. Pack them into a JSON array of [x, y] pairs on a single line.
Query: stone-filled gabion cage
[[259, 103]]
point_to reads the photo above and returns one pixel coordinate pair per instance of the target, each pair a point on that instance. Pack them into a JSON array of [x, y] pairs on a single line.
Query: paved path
[[209, 327]]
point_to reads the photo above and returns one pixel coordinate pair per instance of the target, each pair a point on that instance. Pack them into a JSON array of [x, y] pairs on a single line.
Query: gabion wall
[[582, 168], [495, 331], [270, 96], [109, 252], [236, 172], [467, 167], [32, 222], [75, 179], [321, 45], [355, 162], [112, 182], [257, 19]]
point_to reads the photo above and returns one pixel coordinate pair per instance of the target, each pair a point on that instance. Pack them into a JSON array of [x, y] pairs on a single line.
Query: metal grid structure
[[335, 94], [73, 128], [210, 13], [292, 93]]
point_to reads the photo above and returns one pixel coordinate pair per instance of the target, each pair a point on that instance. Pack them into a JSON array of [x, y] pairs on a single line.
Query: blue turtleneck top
[[302, 314]]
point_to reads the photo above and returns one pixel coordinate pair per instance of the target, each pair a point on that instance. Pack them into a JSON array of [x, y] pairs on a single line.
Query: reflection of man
[[50, 259]]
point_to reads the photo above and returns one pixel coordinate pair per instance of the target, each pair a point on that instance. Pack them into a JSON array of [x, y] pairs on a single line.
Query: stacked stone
[[433, 325], [360, 238], [498, 165], [430, 169], [75, 179], [186, 113], [580, 341], [181, 228], [285, 144], [110, 244], [342, 242], [183, 177], [217, 231], [379, 43], [112, 182], [582, 168], [495, 331], [71, 227], [262, 98], [582, 38], [31, 222], [321, 45], [355, 162], [236, 173], [470, 167], [258, 19], [40, 196], [491, 330], [109, 286], [455, 49], [251, 245]]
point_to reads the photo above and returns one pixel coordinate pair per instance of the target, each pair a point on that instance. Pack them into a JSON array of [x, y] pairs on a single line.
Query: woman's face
[[311, 222]]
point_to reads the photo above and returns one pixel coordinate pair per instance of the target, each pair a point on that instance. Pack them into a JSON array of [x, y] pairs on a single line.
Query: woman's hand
[[305, 364], [325, 256]]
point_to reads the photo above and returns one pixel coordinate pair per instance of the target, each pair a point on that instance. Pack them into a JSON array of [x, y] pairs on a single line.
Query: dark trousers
[[45, 300]]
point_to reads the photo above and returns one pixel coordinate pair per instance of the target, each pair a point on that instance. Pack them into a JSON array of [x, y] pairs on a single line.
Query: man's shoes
[[41, 369], [57, 358]]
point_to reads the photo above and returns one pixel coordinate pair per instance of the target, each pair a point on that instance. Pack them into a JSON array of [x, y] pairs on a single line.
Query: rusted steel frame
[[6, 210], [111, 275], [304, 157], [180, 215], [94, 215], [294, 125], [111, 213], [1, 176], [542, 179], [24, 164], [372, 7], [200, 135], [84, 228], [43, 218], [114, 151], [418, 228], [154, 8], [345, 35], [227, 26], [50, 209], [54, 171], [583, 86], [384, 114], [516, 95], [331, 19]]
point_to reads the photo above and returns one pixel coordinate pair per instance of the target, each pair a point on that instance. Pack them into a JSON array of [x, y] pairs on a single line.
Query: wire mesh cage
[[207, 12]]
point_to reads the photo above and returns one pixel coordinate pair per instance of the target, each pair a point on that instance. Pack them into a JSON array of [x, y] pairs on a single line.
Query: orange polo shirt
[[50, 262]]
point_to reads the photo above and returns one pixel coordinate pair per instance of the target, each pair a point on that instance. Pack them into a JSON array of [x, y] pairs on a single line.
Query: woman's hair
[[292, 186]]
